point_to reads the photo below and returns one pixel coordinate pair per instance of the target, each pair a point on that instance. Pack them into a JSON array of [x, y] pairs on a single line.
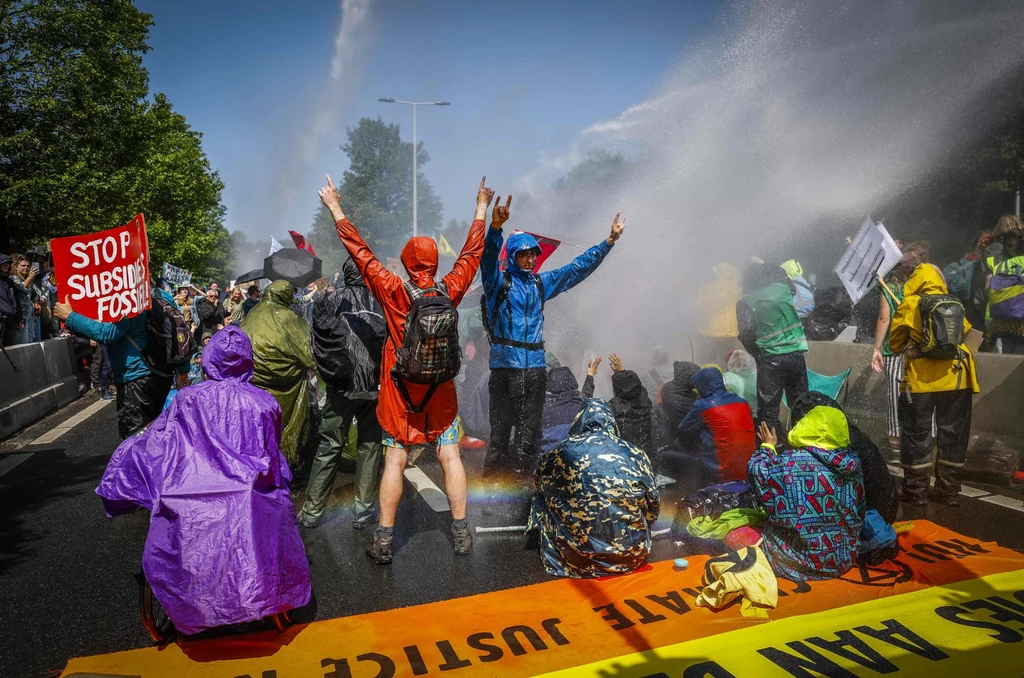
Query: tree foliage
[[82, 145], [376, 194]]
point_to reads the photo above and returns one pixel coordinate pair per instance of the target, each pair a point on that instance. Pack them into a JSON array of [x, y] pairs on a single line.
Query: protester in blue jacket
[[514, 318], [140, 392]]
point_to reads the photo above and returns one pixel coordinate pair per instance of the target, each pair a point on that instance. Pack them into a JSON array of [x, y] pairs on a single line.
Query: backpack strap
[[501, 298], [408, 400]]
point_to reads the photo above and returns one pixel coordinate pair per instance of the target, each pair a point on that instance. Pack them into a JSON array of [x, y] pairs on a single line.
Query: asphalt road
[[67, 584]]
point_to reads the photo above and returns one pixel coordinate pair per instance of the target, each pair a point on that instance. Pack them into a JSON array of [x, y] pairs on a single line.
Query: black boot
[[462, 537], [380, 548], [947, 483], [915, 486]]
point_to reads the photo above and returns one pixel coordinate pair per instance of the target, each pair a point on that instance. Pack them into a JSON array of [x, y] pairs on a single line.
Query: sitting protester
[[724, 427], [741, 376], [677, 397], [562, 402], [223, 546], [879, 485], [630, 403], [813, 495], [595, 500]]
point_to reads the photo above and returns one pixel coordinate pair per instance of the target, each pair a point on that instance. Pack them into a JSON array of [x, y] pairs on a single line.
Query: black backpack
[[506, 285], [942, 325], [430, 351], [170, 343]]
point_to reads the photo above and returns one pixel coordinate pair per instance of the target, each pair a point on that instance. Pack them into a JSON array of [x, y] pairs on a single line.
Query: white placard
[[871, 254]]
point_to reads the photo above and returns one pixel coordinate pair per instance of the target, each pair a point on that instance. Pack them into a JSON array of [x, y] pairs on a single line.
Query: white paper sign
[[274, 246], [176, 276], [871, 254]]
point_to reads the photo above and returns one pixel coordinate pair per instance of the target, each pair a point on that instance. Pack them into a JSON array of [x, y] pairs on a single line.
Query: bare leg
[[454, 480], [395, 460]]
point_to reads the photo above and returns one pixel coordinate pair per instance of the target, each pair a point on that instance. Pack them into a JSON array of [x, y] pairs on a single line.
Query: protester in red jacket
[[724, 427], [437, 421]]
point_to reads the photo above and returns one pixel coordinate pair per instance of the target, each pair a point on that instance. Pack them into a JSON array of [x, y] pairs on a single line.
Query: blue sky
[[524, 79]]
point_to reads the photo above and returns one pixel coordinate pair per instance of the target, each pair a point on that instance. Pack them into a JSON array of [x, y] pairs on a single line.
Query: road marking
[[71, 422], [1008, 502], [10, 461], [431, 493]]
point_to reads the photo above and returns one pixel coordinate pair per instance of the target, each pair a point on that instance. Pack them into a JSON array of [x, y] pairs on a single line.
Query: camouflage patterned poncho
[[595, 500]]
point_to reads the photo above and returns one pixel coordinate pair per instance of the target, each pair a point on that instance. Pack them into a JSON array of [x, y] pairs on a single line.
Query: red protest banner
[[105, 274], [547, 248]]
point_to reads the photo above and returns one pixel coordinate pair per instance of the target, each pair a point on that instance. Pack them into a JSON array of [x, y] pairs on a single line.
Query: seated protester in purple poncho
[[813, 495], [223, 545]]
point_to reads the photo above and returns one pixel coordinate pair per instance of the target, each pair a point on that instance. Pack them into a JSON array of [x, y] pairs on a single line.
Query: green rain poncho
[[280, 346]]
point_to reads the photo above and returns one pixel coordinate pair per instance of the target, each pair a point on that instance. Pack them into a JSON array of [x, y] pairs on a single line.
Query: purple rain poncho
[[223, 545]]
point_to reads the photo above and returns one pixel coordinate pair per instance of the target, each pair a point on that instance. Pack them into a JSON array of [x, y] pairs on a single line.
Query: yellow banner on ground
[[946, 599], [965, 629]]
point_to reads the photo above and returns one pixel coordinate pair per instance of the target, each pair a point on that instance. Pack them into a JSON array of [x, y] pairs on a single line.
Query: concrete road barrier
[[46, 380]]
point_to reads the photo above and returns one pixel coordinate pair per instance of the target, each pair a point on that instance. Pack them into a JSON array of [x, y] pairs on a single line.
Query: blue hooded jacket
[[521, 317], [126, 362], [724, 425]]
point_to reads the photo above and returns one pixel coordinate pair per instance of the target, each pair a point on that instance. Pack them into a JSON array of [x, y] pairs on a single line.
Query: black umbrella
[[252, 276], [298, 267]]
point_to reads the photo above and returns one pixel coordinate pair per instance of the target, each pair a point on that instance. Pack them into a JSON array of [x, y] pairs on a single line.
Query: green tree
[[376, 193], [82, 148]]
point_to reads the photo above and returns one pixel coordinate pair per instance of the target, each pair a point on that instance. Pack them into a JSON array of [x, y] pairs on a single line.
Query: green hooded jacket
[[280, 347], [779, 330]]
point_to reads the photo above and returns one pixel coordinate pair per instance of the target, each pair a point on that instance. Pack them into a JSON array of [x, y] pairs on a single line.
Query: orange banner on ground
[[562, 624]]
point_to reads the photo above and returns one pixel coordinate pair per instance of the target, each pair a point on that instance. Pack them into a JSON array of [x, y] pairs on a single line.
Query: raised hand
[[615, 362], [483, 199], [592, 366], [767, 435], [617, 227], [499, 215], [329, 197]]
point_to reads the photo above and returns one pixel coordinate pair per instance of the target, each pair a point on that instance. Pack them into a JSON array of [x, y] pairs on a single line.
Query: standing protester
[[1006, 300], [940, 377], [883, 359], [415, 414], [210, 312], [10, 303], [20, 272], [250, 303], [140, 391], [514, 317], [771, 331], [280, 343], [347, 340], [233, 306]]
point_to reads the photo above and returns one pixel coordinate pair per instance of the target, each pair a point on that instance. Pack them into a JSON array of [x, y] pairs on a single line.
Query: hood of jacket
[[280, 292], [740, 361], [822, 427], [595, 418], [793, 268], [709, 381], [626, 384], [762, 275], [562, 380], [228, 356], [351, 274], [926, 279], [519, 242], [419, 256], [683, 373]]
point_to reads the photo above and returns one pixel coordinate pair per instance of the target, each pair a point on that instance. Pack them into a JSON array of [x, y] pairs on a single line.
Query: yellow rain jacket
[[927, 375], [716, 302], [743, 573]]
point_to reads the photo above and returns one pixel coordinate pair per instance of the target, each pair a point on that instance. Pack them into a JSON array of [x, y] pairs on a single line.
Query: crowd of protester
[[365, 367]]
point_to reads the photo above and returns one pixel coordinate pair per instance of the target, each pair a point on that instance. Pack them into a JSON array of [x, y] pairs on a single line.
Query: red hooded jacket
[[419, 256]]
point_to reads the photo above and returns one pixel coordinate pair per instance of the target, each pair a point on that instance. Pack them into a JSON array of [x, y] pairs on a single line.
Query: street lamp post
[[414, 104]]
